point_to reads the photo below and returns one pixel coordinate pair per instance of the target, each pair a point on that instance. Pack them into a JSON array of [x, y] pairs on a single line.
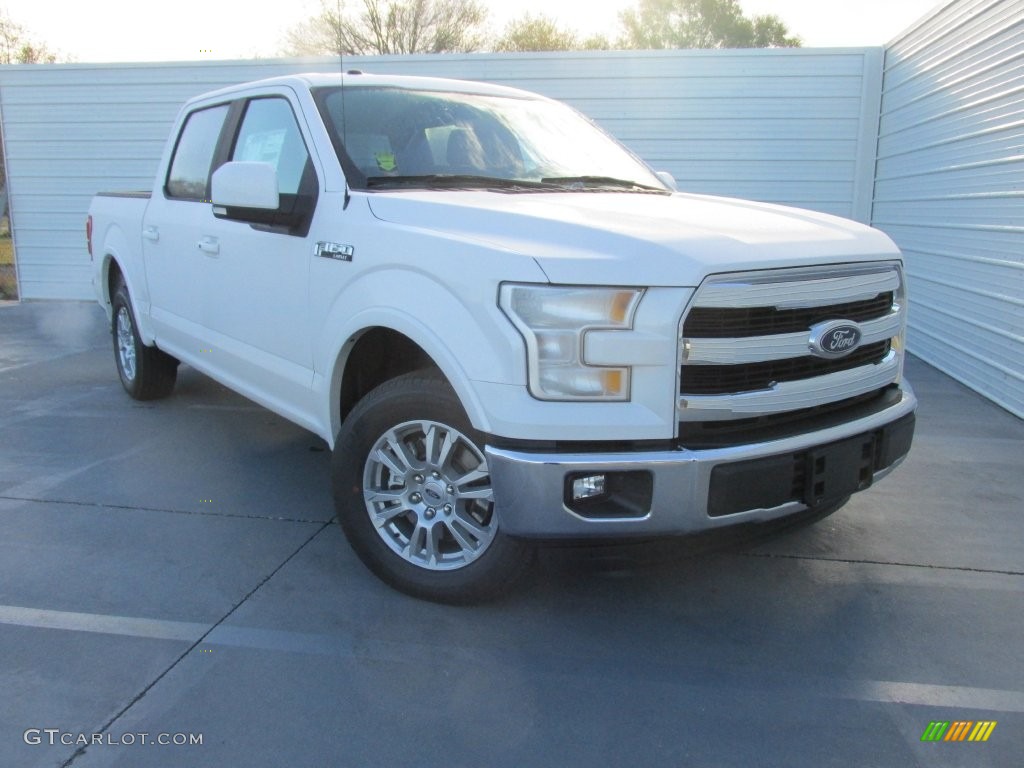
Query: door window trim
[[205, 198]]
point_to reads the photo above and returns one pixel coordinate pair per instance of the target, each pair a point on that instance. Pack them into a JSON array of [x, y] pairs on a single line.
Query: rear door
[[172, 227]]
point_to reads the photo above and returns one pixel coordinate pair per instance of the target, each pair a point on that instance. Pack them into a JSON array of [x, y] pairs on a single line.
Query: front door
[[256, 277]]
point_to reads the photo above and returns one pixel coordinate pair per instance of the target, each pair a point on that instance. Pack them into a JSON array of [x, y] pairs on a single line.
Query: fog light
[[587, 487], [614, 494]]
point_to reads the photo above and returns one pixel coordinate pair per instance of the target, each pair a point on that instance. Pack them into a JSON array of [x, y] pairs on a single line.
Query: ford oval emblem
[[836, 338]]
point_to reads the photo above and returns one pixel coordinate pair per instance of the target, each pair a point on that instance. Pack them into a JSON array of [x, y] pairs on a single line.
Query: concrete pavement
[[171, 569]]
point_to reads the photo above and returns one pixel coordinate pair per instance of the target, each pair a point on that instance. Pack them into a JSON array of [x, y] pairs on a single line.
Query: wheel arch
[[378, 354], [115, 266], [383, 351], [113, 276]]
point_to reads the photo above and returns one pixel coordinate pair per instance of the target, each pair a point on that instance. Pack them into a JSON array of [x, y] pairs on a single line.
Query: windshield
[[391, 138]]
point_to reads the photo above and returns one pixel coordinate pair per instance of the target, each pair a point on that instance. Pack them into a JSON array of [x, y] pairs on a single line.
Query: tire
[[414, 498], [146, 372]]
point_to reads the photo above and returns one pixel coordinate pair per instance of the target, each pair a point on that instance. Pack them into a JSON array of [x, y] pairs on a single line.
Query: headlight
[[554, 320]]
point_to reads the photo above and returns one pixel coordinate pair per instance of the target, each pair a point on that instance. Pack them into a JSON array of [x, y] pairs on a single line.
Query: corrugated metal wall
[[790, 126], [950, 189]]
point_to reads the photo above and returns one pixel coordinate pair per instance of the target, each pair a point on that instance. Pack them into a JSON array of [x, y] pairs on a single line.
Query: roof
[[357, 79]]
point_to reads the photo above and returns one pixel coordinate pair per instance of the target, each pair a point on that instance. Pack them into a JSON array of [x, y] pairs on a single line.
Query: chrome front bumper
[[530, 488]]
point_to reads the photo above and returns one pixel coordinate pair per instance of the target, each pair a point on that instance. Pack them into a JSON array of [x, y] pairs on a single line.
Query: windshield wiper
[[599, 182], [457, 181]]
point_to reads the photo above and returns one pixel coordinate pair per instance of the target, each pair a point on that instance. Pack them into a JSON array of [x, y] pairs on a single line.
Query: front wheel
[[413, 494], [146, 373]]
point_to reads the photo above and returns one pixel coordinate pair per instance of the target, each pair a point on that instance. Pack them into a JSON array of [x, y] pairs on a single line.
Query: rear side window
[[189, 176], [269, 134]]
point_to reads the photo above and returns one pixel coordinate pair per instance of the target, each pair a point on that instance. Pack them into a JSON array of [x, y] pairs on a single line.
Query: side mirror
[[245, 185], [668, 180]]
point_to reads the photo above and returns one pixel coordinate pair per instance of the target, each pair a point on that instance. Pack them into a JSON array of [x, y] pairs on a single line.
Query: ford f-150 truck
[[506, 325]]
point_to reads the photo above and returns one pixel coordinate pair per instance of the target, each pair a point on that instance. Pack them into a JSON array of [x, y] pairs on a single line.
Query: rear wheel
[[414, 497], [146, 373]]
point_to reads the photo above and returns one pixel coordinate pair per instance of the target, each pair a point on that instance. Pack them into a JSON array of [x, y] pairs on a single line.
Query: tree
[[542, 33], [17, 47], [770, 32], [390, 27], [597, 42], [701, 24], [536, 33]]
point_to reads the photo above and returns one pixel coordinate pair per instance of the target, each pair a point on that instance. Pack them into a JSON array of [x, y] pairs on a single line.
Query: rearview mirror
[[245, 185]]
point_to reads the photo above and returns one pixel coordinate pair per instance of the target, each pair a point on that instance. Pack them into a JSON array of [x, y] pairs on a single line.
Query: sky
[[197, 30]]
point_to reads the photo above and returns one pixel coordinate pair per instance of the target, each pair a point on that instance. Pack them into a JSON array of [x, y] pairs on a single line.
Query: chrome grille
[[726, 322], [722, 379], [746, 340]]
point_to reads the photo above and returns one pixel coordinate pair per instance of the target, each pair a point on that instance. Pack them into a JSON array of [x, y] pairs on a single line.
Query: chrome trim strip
[[758, 349], [791, 395], [786, 292]]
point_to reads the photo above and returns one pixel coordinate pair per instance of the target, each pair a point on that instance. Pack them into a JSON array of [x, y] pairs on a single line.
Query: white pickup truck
[[505, 324]]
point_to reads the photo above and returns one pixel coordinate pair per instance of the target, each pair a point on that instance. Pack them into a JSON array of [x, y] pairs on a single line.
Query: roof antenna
[[341, 72]]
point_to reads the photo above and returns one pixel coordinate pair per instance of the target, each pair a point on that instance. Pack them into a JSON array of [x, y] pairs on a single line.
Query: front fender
[[468, 340]]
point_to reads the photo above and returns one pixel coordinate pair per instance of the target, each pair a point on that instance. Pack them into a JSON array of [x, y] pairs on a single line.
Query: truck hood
[[636, 239]]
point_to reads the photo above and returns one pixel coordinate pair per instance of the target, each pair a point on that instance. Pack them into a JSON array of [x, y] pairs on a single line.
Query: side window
[[190, 166], [269, 134]]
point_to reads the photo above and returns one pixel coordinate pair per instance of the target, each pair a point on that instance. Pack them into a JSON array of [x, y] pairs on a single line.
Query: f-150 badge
[[334, 251]]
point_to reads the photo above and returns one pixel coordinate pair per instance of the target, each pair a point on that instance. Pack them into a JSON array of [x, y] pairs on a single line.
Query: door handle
[[151, 233], [209, 245]]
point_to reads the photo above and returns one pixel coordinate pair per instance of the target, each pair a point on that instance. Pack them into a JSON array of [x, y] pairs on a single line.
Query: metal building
[[949, 189]]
